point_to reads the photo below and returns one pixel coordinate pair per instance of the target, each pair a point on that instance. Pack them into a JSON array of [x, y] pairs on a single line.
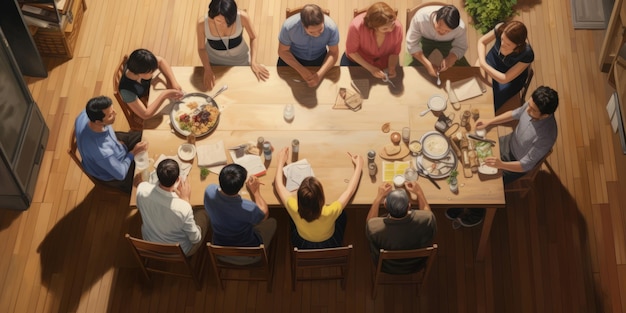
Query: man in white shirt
[[166, 213], [437, 27]]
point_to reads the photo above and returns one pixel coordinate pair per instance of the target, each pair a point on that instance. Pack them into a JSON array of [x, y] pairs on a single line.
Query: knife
[[475, 137], [424, 173]]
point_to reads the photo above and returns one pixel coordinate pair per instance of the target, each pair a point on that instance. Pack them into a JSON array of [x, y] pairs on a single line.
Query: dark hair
[[142, 61], [95, 106], [379, 14], [310, 199], [450, 16], [546, 99], [397, 203], [311, 15], [232, 177], [225, 8], [516, 32], [168, 172]]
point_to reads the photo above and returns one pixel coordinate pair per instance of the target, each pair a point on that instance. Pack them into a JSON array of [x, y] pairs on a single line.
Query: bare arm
[[392, 63], [383, 191], [354, 181], [500, 119], [424, 60], [279, 185], [415, 188], [285, 54], [253, 185], [209, 77], [498, 76], [375, 71], [258, 69], [166, 69], [329, 62]]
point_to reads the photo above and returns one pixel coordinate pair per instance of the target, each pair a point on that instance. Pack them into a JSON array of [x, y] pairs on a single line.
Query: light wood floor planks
[[562, 248]]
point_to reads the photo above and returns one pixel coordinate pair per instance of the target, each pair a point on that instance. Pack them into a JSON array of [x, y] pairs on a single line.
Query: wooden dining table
[[250, 109]]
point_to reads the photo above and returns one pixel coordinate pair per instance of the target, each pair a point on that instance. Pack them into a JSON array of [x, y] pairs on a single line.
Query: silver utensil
[[219, 91], [423, 172], [425, 112], [438, 80], [476, 137], [387, 80]]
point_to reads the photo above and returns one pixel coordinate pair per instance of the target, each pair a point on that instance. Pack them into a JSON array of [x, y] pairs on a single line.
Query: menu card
[[391, 169], [251, 162], [211, 154]]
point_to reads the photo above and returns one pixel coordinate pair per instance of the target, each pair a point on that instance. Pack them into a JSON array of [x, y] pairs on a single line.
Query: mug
[[142, 161]]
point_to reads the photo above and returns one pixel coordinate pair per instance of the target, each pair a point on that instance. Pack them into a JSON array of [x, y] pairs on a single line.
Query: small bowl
[[437, 103], [481, 132], [435, 146], [399, 180], [415, 146], [187, 152]]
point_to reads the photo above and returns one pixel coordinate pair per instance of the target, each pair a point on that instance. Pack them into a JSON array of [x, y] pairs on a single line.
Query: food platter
[[195, 113], [438, 168]]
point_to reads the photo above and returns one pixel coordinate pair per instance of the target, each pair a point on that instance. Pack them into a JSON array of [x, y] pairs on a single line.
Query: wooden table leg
[[484, 235]]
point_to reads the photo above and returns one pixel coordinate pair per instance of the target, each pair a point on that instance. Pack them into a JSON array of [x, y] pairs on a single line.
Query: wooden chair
[[289, 12], [134, 122], [381, 278], [155, 257], [524, 90], [264, 264], [523, 184], [338, 258], [75, 155]]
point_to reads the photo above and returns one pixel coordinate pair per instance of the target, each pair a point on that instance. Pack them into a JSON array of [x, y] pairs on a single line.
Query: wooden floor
[[562, 248]]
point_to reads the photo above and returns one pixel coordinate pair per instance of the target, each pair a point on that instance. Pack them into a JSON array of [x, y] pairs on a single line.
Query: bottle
[[372, 168], [288, 112], [295, 149], [259, 144], [267, 150], [371, 156]]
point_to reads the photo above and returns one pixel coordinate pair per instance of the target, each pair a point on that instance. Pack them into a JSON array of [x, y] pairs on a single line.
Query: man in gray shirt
[[521, 150]]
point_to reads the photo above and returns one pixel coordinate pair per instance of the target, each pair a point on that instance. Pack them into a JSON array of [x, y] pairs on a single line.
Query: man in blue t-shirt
[[236, 221], [309, 39], [106, 155]]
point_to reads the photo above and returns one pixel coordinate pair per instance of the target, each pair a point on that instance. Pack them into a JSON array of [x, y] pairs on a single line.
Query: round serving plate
[[183, 106], [428, 151], [445, 165]]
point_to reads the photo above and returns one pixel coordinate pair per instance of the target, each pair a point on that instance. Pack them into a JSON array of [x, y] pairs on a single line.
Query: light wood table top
[[250, 109]]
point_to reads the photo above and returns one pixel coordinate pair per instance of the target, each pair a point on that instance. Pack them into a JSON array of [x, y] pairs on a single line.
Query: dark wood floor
[[562, 248]]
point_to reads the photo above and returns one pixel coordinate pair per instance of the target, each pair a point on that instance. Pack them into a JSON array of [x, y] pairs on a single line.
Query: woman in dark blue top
[[508, 60]]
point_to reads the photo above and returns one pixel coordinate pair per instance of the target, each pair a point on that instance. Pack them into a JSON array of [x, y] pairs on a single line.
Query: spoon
[[220, 91], [438, 80]]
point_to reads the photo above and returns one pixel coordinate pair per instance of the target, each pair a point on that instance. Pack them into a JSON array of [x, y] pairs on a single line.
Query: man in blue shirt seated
[[235, 221], [166, 213], [108, 156], [309, 39]]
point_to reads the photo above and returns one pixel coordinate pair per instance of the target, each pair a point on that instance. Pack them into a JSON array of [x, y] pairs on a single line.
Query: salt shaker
[[371, 156], [372, 168], [295, 148]]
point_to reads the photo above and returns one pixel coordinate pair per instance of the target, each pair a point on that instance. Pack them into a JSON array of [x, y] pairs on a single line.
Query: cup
[[406, 134], [410, 174], [399, 180], [288, 112], [142, 161]]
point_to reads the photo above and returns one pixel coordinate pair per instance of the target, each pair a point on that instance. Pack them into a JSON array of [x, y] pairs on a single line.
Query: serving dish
[[435, 145], [196, 113], [438, 168]]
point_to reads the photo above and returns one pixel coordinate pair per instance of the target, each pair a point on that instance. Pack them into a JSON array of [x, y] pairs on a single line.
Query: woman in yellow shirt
[[315, 225]]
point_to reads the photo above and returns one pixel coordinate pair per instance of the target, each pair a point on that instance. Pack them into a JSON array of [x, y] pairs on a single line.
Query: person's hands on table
[[313, 79], [253, 184], [384, 189], [140, 147], [260, 71], [209, 79], [493, 162]]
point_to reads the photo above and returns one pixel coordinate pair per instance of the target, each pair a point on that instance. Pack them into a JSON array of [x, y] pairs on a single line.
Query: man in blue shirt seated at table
[[166, 213], [521, 150], [235, 221], [106, 155], [304, 39]]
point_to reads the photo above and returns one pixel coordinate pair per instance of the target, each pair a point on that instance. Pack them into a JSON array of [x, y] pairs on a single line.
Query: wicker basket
[[61, 43]]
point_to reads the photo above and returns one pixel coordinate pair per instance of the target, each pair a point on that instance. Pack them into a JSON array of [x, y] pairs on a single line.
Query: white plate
[[181, 107], [426, 149], [437, 103], [444, 169], [487, 170], [186, 152]]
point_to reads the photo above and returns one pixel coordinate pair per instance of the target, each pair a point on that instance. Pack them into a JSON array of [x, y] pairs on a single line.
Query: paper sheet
[[296, 172], [211, 154], [463, 89]]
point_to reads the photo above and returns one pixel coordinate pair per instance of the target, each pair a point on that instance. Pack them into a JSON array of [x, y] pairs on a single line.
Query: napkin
[[296, 172], [184, 167], [211, 154], [463, 89]]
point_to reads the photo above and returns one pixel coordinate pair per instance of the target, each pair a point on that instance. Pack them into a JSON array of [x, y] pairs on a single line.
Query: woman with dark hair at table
[[220, 40], [314, 224], [374, 41], [507, 61]]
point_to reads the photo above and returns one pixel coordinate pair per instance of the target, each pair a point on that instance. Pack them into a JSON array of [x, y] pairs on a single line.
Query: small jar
[[372, 168], [267, 150], [371, 156], [295, 146]]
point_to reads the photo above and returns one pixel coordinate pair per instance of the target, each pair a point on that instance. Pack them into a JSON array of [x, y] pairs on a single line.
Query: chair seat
[[333, 258], [259, 259]]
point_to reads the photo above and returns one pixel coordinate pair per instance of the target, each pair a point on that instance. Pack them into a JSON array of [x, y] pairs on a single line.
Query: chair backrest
[[411, 12], [524, 89], [134, 122], [416, 278], [339, 258], [75, 155], [289, 12], [152, 255], [523, 184], [356, 12], [221, 257]]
